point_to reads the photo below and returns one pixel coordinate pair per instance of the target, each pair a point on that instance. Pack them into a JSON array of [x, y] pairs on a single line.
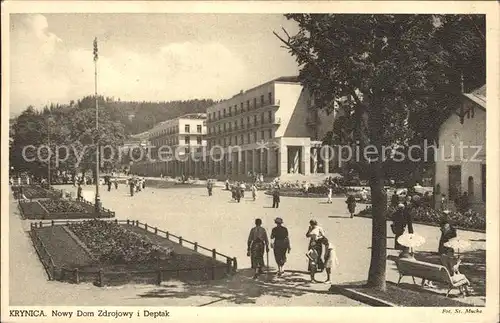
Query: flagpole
[[97, 198]]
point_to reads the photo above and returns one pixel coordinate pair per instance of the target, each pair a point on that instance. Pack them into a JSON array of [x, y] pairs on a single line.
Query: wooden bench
[[429, 272]]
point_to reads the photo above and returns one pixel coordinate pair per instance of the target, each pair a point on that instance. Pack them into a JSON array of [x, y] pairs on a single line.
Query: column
[[306, 159], [270, 159], [326, 162], [314, 160], [283, 160]]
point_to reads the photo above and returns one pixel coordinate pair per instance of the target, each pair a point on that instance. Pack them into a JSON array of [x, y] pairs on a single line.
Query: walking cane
[[267, 262]]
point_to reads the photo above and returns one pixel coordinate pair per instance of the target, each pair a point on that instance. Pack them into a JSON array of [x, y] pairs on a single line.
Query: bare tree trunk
[[377, 271]]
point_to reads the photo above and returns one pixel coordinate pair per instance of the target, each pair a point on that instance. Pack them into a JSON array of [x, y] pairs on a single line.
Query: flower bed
[[62, 206], [32, 210], [35, 192], [427, 215], [112, 243]]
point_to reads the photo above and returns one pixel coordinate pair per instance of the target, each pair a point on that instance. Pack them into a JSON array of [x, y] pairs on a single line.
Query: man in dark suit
[[276, 197]]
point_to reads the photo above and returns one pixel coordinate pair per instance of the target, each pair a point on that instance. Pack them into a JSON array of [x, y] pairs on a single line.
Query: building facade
[[271, 129], [176, 148], [463, 169]]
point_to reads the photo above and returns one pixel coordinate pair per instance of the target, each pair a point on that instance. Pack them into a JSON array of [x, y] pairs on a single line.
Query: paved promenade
[[217, 222]]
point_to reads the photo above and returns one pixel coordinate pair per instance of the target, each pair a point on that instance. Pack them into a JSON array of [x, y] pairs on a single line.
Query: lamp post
[[49, 120], [97, 198]]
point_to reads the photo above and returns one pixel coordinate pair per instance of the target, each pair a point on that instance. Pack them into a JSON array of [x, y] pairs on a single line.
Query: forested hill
[[141, 116]]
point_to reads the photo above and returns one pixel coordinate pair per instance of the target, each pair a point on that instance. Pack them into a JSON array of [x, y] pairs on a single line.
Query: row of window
[[175, 129], [233, 110], [175, 141], [242, 139], [229, 126]]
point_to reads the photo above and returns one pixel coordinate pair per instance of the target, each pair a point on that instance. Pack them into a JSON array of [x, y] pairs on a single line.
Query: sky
[[150, 57]]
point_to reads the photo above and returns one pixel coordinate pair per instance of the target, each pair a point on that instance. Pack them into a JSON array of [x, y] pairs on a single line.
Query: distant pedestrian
[[281, 244], [395, 200], [131, 184], [329, 195], [276, 198], [109, 185], [209, 187], [256, 244], [351, 204], [116, 183], [313, 260], [242, 189], [315, 233], [331, 261], [254, 191], [143, 183], [227, 185]]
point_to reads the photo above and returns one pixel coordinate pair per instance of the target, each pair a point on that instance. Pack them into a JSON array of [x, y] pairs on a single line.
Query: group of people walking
[[258, 243], [136, 184]]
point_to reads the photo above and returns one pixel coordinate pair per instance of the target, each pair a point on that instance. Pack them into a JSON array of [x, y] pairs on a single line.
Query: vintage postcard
[[250, 161]]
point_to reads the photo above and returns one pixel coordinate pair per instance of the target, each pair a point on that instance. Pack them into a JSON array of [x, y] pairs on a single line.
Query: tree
[[383, 70]]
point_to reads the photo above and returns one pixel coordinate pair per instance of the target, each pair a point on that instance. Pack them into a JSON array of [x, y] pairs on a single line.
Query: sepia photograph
[[330, 159]]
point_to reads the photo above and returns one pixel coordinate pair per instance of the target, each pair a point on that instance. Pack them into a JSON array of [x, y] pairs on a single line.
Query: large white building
[[272, 129], [176, 148], [458, 172]]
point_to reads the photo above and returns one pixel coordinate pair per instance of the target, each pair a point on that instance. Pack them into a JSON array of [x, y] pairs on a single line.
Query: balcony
[[276, 121]]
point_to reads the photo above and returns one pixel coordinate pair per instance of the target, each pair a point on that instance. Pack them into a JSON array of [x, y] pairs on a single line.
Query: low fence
[[101, 277]]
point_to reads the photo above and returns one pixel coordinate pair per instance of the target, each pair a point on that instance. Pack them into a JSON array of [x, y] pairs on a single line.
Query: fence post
[[167, 235], [159, 277], [128, 221], [40, 224], [52, 222], [101, 278], [180, 241], [146, 226], [235, 264], [214, 254], [228, 265], [156, 230], [116, 221], [196, 246], [77, 276], [136, 223]]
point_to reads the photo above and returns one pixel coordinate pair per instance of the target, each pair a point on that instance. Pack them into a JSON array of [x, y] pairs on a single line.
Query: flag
[[95, 50]]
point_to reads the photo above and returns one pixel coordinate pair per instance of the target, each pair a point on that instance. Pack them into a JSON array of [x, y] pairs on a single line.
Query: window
[[230, 143], [186, 150], [270, 97], [270, 133], [242, 139], [235, 125], [270, 116], [262, 135], [198, 128], [229, 126], [186, 128], [218, 114], [254, 103], [248, 104], [224, 113], [255, 120], [198, 140], [241, 106], [241, 123], [236, 140], [262, 118], [224, 127], [225, 142], [218, 129], [255, 136], [248, 138], [262, 99], [248, 122], [186, 140], [230, 111]]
